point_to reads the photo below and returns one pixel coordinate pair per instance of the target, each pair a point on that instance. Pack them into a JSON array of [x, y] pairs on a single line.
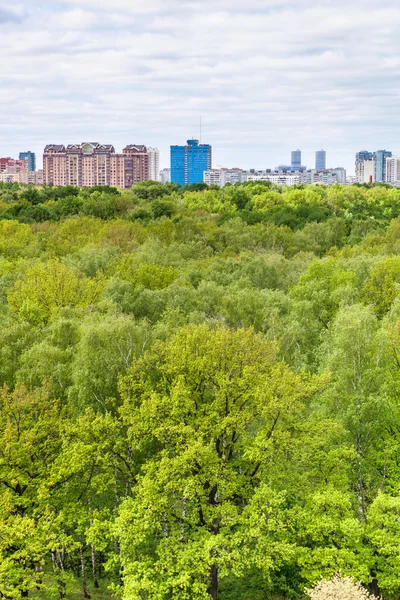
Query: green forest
[[199, 391]]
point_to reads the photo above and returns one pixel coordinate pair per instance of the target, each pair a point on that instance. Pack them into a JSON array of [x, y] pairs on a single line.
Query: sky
[[265, 76]]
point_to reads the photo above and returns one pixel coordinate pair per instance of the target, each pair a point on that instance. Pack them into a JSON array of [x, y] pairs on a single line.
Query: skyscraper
[[295, 163], [296, 159], [320, 160], [380, 157], [154, 164], [189, 162], [30, 158]]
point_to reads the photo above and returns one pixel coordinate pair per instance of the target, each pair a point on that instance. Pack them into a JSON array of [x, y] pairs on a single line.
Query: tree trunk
[[213, 587], [58, 569], [83, 570], [374, 587], [361, 495], [94, 570]]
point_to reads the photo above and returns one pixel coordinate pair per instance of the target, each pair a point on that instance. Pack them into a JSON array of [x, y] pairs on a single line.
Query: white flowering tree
[[339, 588]]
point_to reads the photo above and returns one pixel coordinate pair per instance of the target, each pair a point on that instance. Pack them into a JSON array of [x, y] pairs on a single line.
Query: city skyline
[[158, 163], [188, 164], [265, 77]]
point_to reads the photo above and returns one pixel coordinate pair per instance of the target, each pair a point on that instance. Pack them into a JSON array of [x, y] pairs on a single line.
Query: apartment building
[[165, 175], [91, 164], [327, 176], [221, 177], [11, 165], [26, 177], [30, 157], [365, 171], [154, 164], [277, 177], [393, 170]]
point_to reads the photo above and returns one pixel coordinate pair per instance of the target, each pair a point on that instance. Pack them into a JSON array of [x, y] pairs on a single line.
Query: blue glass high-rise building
[[189, 162], [296, 159], [30, 158], [295, 163], [364, 155], [320, 160], [380, 157]]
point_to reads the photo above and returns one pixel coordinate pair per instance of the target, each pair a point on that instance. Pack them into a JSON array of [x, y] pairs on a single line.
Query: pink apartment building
[[91, 163]]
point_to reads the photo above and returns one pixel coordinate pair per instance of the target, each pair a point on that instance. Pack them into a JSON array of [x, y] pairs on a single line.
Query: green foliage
[[199, 391], [45, 289]]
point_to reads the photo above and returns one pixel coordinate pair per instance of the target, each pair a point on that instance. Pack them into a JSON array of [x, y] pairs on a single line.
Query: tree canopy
[[199, 392]]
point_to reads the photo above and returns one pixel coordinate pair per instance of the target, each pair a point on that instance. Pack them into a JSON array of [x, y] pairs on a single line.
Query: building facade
[[326, 176], [26, 177], [393, 170], [320, 160], [165, 175], [276, 177], [189, 162], [136, 165], [362, 171], [30, 157], [365, 171], [295, 165], [221, 176], [154, 164], [12, 166], [288, 178], [93, 164], [380, 157], [296, 159]]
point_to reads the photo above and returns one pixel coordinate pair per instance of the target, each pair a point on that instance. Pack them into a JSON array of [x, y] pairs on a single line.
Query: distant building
[[296, 159], [393, 170], [135, 165], [93, 164], [320, 160], [30, 157], [295, 163], [276, 177], [380, 157], [221, 177], [364, 155], [165, 175], [189, 162], [326, 176], [154, 164], [26, 177], [287, 178], [363, 171], [366, 171], [12, 166]]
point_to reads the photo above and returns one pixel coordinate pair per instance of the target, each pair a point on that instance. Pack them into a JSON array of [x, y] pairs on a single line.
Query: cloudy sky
[[267, 76]]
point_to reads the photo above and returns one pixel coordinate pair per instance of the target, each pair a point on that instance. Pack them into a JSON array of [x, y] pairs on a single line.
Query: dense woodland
[[199, 391]]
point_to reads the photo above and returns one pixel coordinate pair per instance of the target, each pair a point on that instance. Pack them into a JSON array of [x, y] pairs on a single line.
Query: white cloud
[[266, 76]]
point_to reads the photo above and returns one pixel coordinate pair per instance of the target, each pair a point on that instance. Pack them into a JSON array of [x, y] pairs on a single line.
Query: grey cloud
[[10, 13], [265, 75]]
